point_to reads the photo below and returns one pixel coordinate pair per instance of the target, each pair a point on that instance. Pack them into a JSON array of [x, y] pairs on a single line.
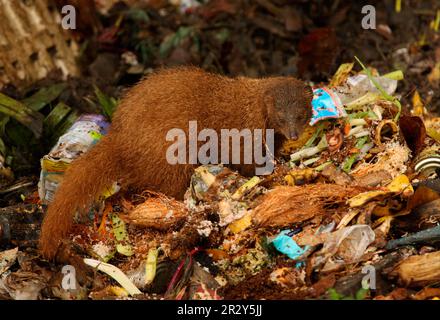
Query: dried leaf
[[421, 196], [414, 132], [400, 184]]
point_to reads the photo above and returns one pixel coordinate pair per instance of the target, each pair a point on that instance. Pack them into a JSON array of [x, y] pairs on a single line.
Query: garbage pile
[[352, 214]]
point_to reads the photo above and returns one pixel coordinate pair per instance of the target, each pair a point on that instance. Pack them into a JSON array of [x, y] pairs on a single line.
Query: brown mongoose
[[134, 150]]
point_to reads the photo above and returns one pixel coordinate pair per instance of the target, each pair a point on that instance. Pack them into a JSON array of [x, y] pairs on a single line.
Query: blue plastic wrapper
[[285, 244], [326, 105]]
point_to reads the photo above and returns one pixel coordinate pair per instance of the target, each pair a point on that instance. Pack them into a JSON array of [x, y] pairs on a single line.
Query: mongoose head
[[289, 106]]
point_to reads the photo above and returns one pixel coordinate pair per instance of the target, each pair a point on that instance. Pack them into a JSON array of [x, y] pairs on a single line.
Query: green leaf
[[44, 96], [381, 90], [353, 158], [55, 117], [316, 134], [22, 113], [4, 119], [146, 50], [361, 142], [349, 162], [138, 15], [395, 75], [20, 136], [64, 126], [361, 294], [173, 40], [150, 266], [322, 166], [358, 115], [334, 295], [2, 148], [124, 249], [108, 104]]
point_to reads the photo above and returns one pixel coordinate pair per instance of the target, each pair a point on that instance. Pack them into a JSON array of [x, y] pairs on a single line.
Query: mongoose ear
[[308, 92]]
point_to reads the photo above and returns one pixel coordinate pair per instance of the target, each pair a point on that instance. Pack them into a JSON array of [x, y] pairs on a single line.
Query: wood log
[[419, 270]]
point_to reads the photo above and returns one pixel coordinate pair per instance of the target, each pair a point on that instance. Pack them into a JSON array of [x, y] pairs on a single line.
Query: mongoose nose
[[293, 135]]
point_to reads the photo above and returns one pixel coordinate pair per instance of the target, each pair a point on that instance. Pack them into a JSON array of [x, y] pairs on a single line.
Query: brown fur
[[134, 151]]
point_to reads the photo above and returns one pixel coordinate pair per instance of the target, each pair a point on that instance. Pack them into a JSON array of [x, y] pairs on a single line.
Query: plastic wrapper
[[326, 105], [84, 133], [347, 245], [285, 244]]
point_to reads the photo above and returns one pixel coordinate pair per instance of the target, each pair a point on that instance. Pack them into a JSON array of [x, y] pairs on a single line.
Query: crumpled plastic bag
[[351, 242], [346, 245]]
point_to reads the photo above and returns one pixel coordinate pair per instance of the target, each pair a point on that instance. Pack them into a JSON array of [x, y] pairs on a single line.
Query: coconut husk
[[159, 212], [289, 205]]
